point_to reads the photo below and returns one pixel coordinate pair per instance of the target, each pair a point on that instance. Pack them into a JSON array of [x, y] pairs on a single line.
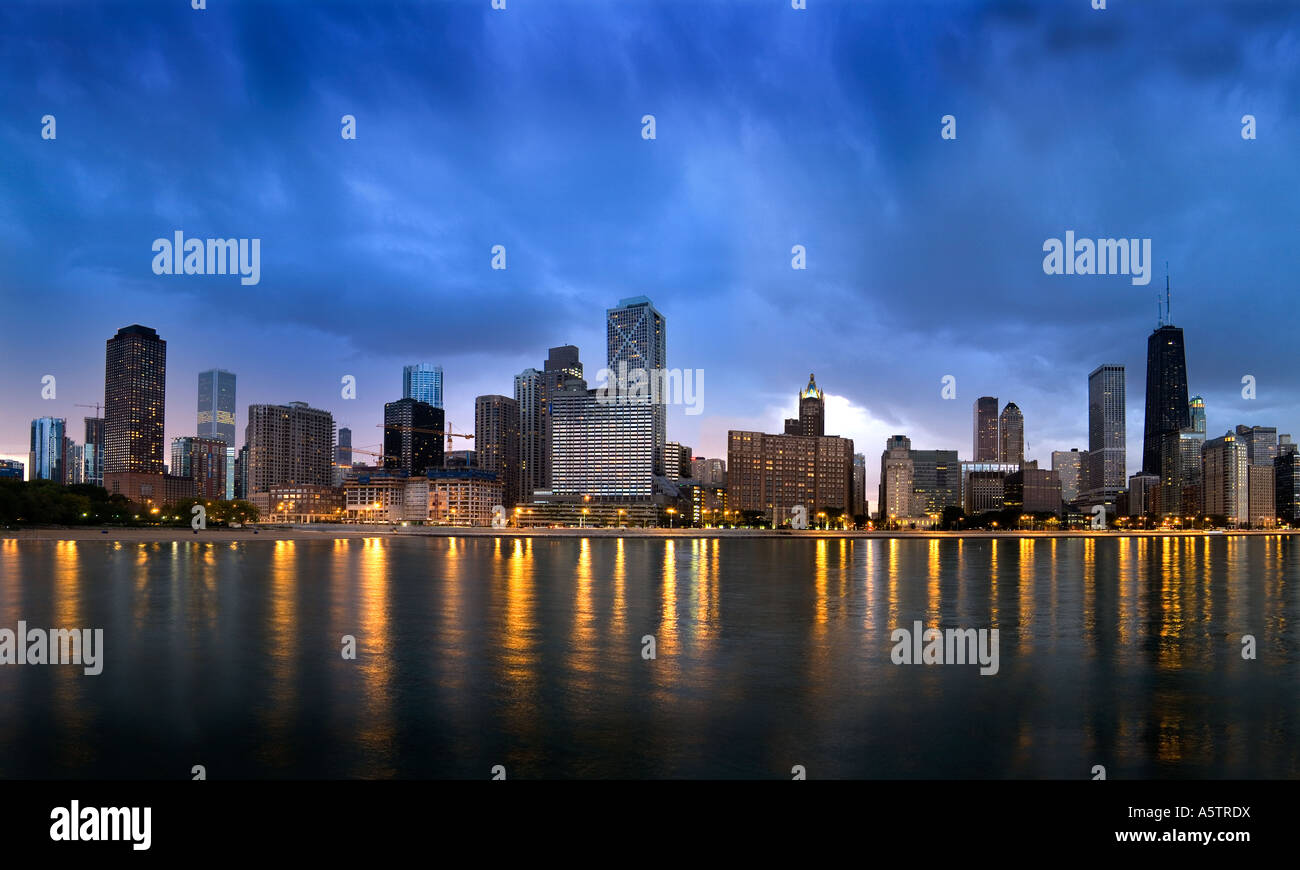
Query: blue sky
[[775, 127]]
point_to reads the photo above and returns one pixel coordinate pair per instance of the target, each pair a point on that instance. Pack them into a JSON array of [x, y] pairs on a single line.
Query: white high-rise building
[[635, 337]]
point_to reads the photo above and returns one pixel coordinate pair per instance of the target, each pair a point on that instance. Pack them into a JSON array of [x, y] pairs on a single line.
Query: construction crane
[[449, 433], [96, 406], [381, 456]]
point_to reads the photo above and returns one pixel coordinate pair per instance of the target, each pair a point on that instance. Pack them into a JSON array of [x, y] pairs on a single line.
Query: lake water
[[528, 653]]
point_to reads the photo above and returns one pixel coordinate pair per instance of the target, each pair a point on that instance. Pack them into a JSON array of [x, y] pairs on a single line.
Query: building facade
[[1226, 476], [135, 383], [1286, 487], [1107, 472], [1069, 465], [1167, 406], [46, 456], [413, 432], [1034, 491], [986, 429], [599, 449], [635, 336], [423, 383], [202, 460], [287, 444], [497, 444], [217, 405], [1011, 435], [532, 435], [94, 452], [812, 410]]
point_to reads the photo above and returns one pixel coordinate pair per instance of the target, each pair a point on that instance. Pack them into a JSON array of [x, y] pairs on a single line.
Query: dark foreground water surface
[[527, 653]]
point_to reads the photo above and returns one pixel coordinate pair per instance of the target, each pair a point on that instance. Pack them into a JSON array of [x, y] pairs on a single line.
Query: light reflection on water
[[527, 652]]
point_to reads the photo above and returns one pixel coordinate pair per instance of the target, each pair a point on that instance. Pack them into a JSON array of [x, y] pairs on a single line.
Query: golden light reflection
[[71, 711], [819, 587], [375, 657], [584, 614], [619, 615], [1026, 591], [933, 573], [279, 714]]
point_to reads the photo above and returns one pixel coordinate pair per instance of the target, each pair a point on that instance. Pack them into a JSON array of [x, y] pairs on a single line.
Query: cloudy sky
[[774, 127]]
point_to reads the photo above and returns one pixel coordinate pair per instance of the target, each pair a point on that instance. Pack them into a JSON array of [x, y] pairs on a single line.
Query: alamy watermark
[[641, 386], [953, 646], [1099, 257], [55, 646], [181, 256]]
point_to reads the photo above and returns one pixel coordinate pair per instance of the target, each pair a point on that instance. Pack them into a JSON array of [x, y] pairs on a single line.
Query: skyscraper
[[897, 475], [286, 444], [986, 429], [561, 364], [1106, 473], [1167, 408], [599, 449], [202, 460], [217, 406], [812, 410], [1261, 443], [635, 337], [1068, 465], [48, 448], [423, 382], [94, 454], [496, 443], [709, 471], [859, 484], [343, 455], [1226, 473], [1286, 486], [936, 481], [413, 432], [1011, 435], [1180, 492], [135, 380], [1196, 411], [532, 435]]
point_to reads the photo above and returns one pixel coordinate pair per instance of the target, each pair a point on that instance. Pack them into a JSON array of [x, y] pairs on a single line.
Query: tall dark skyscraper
[[986, 429], [561, 363], [135, 379], [413, 432], [532, 435], [1011, 435], [217, 406], [1167, 408], [812, 410], [343, 453], [496, 442]]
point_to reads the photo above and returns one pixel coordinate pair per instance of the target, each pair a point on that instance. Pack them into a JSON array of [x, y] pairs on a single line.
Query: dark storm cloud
[[775, 128]]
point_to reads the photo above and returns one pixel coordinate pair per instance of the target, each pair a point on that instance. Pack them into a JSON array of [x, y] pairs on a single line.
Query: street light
[[671, 515]]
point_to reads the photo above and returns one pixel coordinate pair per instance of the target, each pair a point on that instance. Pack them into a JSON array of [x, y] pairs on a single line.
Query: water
[[527, 653]]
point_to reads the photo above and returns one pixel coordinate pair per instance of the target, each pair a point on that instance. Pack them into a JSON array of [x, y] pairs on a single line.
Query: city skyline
[[803, 397], [702, 219]]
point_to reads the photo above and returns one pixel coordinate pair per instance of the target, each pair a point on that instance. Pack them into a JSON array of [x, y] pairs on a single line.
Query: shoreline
[[332, 531]]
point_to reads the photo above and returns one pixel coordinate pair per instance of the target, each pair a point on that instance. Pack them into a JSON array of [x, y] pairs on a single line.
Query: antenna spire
[[1167, 319]]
